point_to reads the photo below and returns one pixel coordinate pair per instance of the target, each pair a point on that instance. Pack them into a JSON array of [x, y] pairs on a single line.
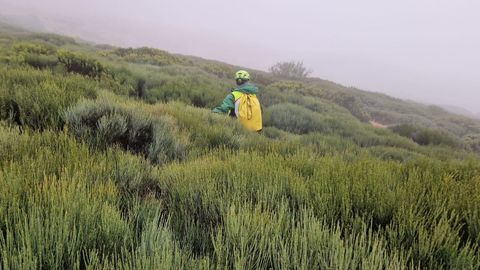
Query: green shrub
[[37, 55], [348, 101], [189, 85], [59, 207], [53, 39], [393, 153], [328, 144], [299, 120], [291, 118], [207, 130], [146, 55], [104, 123], [424, 136], [473, 141], [36, 99], [81, 64], [40, 61], [292, 89], [273, 133], [359, 195], [219, 70], [34, 48], [290, 70]]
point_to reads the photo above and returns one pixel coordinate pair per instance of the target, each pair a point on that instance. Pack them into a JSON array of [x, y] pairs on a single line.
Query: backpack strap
[[237, 95]]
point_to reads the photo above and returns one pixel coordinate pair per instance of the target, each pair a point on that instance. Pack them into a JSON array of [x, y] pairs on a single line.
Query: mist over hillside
[[461, 111]]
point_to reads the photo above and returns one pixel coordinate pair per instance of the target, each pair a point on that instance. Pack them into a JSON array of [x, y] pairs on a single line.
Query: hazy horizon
[[423, 51]]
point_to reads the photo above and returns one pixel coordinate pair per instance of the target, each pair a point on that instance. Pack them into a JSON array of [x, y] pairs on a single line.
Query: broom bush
[[121, 167]]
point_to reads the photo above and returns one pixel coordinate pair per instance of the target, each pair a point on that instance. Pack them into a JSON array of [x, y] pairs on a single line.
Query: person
[[242, 102]]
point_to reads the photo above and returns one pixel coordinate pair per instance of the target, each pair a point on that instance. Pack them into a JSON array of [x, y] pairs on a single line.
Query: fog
[[426, 50]]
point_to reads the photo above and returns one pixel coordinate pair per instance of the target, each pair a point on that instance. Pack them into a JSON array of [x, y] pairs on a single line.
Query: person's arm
[[227, 105]]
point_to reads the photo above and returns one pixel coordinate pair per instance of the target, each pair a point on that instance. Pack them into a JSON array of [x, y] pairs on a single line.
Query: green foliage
[[36, 99], [61, 207], [293, 118], [40, 61], [424, 136], [146, 55], [293, 90], [206, 130], [393, 111], [104, 124], [300, 120], [33, 48], [80, 64], [355, 194], [53, 39], [394, 153], [290, 70], [37, 55], [131, 185], [186, 84], [473, 141]]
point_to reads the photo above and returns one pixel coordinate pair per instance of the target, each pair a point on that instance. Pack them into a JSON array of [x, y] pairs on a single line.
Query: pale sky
[[423, 50]]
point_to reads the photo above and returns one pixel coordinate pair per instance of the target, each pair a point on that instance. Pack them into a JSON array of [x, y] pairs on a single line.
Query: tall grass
[[230, 208], [36, 99], [103, 123], [95, 179]]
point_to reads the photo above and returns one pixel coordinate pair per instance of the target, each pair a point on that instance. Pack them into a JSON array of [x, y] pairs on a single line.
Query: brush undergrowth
[[94, 178]]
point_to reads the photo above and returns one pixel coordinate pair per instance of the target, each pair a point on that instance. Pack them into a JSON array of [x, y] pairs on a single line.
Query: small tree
[[290, 70]]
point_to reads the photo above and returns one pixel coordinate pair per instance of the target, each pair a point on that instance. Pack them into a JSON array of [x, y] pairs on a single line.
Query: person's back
[[243, 103]]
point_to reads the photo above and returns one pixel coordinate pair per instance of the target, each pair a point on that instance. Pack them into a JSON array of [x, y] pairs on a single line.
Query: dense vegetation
[[111, 159]]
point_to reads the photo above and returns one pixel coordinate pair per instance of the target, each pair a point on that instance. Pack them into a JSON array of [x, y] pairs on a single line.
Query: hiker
[[242, 102]]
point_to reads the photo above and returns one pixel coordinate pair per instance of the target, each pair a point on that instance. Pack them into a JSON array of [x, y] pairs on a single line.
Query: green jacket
[[228, 104]]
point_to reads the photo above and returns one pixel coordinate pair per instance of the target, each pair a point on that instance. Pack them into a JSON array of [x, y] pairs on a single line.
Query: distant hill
[[461, 111]]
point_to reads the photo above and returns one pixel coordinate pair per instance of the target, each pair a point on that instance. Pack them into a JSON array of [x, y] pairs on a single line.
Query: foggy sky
[[423, 50]]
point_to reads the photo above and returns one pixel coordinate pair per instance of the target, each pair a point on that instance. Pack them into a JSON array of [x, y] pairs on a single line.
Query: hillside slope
[[112, 159]]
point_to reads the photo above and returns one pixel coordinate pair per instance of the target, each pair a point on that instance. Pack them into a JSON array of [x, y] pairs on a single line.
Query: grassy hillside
[[112, 159]]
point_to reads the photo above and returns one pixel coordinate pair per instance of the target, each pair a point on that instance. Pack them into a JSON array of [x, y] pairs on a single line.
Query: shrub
[[348, 101], [473, 141], [290, 70], [189, 85], [393, 153], [274, 133], [36, 99], [424, 136], [81, 64], [59, 207], [33, 48], [299, 120], [37, 55], [147, 56], [40, 61], [207, 130], [291, 118], [102, 124], [310, 95], [53, 39]]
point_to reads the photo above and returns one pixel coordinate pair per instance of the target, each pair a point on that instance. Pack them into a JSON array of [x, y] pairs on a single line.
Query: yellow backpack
[[248, 110]]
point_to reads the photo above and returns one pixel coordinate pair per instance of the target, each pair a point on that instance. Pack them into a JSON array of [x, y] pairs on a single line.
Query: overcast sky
[[423, 50]]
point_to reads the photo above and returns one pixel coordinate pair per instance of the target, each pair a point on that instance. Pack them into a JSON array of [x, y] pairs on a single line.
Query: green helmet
[[242, 75]]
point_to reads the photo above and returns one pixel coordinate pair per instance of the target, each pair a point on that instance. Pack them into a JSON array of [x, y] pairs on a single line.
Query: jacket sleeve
[[228, 104]]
